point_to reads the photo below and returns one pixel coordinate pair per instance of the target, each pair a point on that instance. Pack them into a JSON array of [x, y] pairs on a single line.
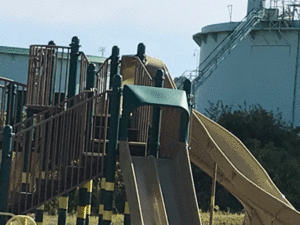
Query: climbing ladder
[[210, 64]]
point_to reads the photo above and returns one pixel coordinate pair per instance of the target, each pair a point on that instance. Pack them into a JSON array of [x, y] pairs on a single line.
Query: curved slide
[[239, 172]]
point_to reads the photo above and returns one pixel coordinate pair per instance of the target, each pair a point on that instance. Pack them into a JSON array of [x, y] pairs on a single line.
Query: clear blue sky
[[165, 27]]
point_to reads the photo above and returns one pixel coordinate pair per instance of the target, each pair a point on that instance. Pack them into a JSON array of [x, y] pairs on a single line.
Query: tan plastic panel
[[159, 191], [239, 172]]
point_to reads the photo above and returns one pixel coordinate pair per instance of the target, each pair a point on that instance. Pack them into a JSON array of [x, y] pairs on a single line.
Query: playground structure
[[71, 135]]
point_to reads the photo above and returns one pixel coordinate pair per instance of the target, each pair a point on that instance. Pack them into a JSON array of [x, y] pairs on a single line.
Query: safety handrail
[[102, 77], [59, 153], [48, 112], [218, 54], [239, 33], [142, 116], [48, 75]]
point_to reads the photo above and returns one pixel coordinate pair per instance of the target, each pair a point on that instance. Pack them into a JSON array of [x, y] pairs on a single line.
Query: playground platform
[[71, 124]]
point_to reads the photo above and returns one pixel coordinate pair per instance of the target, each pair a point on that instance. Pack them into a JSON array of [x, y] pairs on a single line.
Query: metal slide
[[159, 190], [239, 172]]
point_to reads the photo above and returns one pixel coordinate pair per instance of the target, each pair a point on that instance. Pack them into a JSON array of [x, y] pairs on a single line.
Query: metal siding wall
[[259, 71], [14, 67]]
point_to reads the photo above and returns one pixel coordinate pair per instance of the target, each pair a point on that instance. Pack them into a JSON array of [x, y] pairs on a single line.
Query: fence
[[48, 75], [58, 153], [12, 101], [143, 115], [102, 77]]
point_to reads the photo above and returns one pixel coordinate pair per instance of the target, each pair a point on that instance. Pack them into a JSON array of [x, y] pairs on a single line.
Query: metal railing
[[48, 74], [48, 71], [142, 116], [102, 77], [58, 154], [222, 50], [210, 64], [12, 101], [51, 111], [84, 62]]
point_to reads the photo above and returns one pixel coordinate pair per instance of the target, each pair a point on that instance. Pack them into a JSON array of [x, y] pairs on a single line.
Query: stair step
[[99, 120], [132, 133], [138, 148]]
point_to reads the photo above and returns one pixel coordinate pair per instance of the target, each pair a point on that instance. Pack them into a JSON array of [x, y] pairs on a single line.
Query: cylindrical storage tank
[[262, 69]]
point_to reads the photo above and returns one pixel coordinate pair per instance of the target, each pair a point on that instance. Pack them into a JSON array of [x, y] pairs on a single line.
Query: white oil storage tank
[[254, 61]]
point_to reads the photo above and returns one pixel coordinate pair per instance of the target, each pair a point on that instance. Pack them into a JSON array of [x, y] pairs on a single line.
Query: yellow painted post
[[89, 187], [63, 209], [127, 214], [101, 200], [81, 208]]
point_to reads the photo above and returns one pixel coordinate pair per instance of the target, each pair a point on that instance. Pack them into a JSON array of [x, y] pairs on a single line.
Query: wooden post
[[213, 193]]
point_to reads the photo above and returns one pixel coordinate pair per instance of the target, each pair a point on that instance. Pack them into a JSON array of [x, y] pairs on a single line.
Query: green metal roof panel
[[25, 51], [95, 59], [14, 50], [143, 95]]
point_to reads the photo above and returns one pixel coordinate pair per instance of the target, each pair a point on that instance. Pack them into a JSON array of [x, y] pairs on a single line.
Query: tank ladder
[[210, 64]]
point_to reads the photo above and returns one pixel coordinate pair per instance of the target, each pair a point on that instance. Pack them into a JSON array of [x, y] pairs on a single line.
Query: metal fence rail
[[84, 62], [48, 75], [102, 77], [58, 154], [48, 71], [13, 96], [51, 111], [143, 115]]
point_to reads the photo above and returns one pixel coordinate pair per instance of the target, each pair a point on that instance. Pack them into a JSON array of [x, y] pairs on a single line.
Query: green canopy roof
[[143, 95]]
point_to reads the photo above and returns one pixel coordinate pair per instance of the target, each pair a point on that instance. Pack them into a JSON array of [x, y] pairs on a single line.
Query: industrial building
[[253, 61]]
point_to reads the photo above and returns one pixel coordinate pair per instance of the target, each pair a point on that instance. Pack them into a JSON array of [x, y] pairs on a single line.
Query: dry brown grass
[[220, 218], [71, 220], [223, 218]]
